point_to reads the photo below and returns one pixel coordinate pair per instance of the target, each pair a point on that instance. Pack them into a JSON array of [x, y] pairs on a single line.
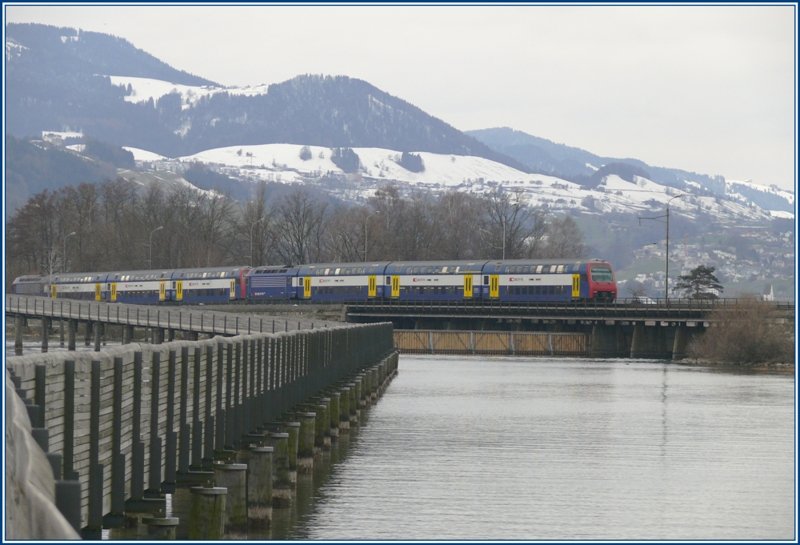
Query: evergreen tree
[[346, 159], [700, 283], [411, 162]]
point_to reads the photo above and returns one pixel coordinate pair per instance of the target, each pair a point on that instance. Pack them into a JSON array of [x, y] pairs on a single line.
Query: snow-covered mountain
[[284, 163], [93, 96]]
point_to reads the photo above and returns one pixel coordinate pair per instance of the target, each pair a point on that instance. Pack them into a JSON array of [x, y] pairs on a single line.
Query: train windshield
[[602, 274]]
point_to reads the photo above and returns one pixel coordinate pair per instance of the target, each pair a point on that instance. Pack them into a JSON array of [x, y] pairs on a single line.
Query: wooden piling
[[305, 446], [234, 478], [207, 514], [282, 483], [259, 488]]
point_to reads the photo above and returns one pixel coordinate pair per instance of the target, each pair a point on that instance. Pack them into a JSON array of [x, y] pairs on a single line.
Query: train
[[512, 281]]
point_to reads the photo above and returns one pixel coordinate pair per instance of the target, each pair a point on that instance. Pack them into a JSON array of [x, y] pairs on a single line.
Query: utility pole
[[65, 248], [666, 265]]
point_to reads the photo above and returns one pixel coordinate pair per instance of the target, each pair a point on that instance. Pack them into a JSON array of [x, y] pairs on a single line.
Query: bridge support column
[[650, 341], [45, 334], [305, 445], [603, 341], [638, 341], [72, 331], [334, 413], [207, 516], [282, 483], [161, 528], [234, 478], [127, 334], [259, 488], [679, 343], [98, 335], [293, 429], [344, 410], [19, 325], [88, 337], [322, 435]]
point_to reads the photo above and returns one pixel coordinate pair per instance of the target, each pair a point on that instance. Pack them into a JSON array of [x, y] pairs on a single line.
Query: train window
[[560, 269], [601, 274], [388, 280], [338, 271], [539, 269], [485, 280]]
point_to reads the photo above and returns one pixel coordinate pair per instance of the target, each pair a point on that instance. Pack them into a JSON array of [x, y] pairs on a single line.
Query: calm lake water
[[540, 449]]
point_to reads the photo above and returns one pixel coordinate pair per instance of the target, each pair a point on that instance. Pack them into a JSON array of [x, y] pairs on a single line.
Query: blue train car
[[271, 283], [433, 280], [338, 282]]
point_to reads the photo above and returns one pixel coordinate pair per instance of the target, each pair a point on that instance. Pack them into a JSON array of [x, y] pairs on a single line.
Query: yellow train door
[[98, 292], [467, 286], [179, 290], [494, 286], [113, 292], [53, 291], [372, 286], [307, 287], [232, 292], [162, 291], [395, 286], [576, 286]]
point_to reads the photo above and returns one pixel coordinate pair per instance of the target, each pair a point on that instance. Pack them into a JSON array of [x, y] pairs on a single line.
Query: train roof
[[328, 269], [272, 269], [28, 278], [523, 266], [152, 274], [210, 272], [80, 277], [435, 267]]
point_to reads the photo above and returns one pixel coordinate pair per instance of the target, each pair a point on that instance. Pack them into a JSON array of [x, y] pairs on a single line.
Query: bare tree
[[256, 225], [459, 217], [563, 239], [346, 229], [300, 222], [513, 229]]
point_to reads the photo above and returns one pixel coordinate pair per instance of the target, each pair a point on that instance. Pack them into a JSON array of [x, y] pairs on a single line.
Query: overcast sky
[[710, 89]]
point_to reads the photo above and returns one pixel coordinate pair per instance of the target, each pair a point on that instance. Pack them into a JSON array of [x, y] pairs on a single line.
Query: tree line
[[117, 225]]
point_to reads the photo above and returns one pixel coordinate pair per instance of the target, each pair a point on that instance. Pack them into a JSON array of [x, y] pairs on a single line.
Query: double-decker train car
[[191, 286], [549, 281], [340, 282], [209, 285], [434, 280], [520, 281]]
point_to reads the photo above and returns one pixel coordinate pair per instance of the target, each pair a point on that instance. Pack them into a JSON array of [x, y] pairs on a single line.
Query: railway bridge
[[626, 328]]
